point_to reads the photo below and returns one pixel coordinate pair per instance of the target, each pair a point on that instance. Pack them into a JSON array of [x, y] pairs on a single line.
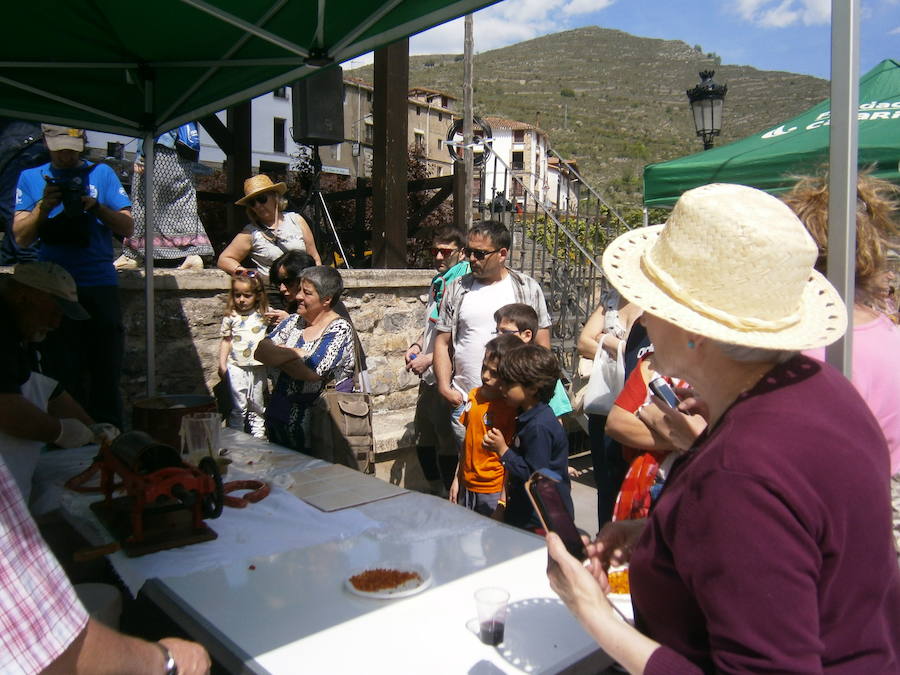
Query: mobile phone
[[543, 490], [662, 390]]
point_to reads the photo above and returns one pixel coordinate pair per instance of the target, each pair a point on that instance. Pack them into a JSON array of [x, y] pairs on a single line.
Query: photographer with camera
[[75, 208]]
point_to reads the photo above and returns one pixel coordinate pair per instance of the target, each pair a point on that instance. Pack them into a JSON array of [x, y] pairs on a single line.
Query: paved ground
[[584, 493]]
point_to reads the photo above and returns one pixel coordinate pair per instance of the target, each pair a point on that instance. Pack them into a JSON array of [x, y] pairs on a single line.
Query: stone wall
[[387, 307]]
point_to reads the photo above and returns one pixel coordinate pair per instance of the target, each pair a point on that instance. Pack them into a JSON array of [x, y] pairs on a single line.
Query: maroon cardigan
[[770, 548]]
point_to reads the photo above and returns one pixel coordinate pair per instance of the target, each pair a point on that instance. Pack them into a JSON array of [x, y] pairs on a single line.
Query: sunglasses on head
[[446, 252], [477, 253], [259, 199], [245, 273]]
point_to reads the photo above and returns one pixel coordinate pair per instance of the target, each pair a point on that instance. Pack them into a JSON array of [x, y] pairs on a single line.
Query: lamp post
[[706, 100]]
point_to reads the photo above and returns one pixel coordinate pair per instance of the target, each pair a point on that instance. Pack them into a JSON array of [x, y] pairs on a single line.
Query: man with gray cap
[[34, 409], [75, 208]]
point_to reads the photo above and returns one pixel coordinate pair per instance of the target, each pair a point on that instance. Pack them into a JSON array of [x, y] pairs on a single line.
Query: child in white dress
[[242, 329]]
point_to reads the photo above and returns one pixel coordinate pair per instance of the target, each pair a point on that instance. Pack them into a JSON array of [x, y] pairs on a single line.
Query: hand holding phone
[[543, 490], [663, 391]]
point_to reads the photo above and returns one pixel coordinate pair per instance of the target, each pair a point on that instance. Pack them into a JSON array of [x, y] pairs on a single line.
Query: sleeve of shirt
[[27, 194], [634, 393], [540, 304], [533, 452], [40, 613], [111, 192], [330, 351], [757, 586], [448, 307], [560, 404], [227, 326], [665, 661]]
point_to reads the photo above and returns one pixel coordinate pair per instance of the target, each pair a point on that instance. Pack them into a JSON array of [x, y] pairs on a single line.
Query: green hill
[[614, 101]]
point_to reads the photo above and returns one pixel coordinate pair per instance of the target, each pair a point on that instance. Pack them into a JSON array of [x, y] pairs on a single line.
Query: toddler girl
[[242, 329]]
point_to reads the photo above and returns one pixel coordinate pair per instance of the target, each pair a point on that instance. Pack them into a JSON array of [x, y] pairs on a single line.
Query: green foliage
[[568, 93]]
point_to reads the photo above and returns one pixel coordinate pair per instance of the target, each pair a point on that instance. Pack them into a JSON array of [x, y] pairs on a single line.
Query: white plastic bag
[[607, 380]]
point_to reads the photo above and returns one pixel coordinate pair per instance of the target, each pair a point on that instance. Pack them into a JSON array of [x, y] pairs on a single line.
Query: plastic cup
[[200, 434], [492, 605]]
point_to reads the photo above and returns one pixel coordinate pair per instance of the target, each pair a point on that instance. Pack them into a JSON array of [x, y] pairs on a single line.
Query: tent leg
[[149, 232], [842, 168]]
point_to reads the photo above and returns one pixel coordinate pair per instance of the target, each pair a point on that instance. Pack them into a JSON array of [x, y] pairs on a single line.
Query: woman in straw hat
[[769, 549], [272, 230]]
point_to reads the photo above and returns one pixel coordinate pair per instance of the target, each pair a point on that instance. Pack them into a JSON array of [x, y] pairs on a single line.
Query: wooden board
[[165, 527]]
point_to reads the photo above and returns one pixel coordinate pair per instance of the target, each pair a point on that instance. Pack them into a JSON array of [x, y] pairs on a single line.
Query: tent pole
[[842, 163], [149, 232]]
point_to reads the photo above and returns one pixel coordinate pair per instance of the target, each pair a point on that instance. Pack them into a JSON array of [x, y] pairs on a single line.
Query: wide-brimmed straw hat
[[258, 184], [731, 263]]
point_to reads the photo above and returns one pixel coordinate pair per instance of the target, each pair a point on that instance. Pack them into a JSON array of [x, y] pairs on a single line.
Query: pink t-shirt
[[876, 376]]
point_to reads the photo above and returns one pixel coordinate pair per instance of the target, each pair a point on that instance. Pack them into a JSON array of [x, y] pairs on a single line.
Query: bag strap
[[357, 348]]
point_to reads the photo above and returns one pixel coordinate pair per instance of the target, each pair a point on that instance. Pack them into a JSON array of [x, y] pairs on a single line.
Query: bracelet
[[168, 661], [415, 344], [501, 502]]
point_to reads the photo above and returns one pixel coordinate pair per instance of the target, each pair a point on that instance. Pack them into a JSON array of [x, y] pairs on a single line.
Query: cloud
[[896, 31], [784, 13]]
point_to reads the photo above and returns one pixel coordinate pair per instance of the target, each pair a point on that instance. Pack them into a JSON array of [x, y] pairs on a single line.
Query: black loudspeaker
[[318, 106]]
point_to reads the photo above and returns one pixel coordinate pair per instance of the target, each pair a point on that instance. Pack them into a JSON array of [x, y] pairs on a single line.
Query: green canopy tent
[[142, 68], [770, 160]]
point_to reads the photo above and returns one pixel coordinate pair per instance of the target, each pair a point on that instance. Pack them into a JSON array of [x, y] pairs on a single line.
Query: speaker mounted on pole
[[317, 102]]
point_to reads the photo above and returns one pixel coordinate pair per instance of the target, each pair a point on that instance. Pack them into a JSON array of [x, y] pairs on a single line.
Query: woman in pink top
[[876, 340]]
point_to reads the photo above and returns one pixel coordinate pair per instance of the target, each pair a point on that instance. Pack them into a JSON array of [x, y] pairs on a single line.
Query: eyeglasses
[[446, 252], [261, 199], [506, 331], [245, 273], [477, 253]]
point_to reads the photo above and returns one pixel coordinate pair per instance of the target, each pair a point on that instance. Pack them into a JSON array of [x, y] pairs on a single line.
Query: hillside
[[614, 101]]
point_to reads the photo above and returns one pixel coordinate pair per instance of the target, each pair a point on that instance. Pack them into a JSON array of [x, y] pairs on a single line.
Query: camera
[[73, 189]]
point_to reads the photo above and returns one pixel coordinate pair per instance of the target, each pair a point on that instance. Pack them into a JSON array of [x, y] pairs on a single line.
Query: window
[[440, 117], [278, 134], [517, 189], [281, 92], [519, 136], [370, 135], [418, 110], [440, 143], [368, 96], [518, 160], [420, 141], [115, 150], [277, 171]]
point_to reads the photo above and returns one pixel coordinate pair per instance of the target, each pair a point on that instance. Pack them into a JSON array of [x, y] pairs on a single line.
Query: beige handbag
[[340, 424]]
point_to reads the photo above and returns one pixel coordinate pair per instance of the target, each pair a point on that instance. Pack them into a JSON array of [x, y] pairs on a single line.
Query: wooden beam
[[427, 208], [218, 132], [460, 209], [238, 163], [389, 167]]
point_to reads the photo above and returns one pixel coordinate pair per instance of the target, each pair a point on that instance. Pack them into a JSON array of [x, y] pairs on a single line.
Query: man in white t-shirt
[[466, 320]]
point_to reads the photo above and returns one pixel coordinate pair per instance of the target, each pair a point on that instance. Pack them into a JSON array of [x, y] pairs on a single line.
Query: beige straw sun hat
[[731, 263], [258, 184]]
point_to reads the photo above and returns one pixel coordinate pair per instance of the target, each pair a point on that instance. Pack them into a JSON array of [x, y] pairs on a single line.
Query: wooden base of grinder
[[165, 527]]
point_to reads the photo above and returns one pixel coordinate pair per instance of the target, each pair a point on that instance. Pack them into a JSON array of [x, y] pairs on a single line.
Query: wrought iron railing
[[558, 241]]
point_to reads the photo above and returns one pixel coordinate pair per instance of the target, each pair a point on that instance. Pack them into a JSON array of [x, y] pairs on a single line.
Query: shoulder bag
[[340, 423], [607, 380]]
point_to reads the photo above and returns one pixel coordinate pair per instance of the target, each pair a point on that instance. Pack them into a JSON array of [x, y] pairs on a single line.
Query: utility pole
[[468, 136]]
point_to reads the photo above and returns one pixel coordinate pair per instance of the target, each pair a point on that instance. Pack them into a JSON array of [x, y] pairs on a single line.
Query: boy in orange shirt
[[479, 482]]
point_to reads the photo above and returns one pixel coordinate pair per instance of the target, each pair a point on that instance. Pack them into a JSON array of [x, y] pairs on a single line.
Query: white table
[[290, 613]]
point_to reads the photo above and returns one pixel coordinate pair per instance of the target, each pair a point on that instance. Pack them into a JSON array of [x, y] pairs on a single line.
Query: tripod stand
[[319, 206]]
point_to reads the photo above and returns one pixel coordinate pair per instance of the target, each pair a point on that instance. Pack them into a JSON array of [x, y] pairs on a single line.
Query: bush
[[568, 93]]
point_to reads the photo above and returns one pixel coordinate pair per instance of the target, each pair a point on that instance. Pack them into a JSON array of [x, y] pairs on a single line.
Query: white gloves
[[104, 432], [73, 433]]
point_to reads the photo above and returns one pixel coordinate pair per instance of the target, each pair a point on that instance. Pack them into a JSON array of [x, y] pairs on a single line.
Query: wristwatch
[[168, 661]]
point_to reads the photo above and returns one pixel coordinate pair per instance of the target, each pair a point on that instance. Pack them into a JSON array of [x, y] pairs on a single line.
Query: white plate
[[409, 588]]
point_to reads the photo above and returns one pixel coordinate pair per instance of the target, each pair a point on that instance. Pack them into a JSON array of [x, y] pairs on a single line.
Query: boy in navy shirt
[[528, 376]]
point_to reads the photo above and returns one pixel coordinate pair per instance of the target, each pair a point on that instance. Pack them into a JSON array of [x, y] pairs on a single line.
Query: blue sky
[[789, 35]]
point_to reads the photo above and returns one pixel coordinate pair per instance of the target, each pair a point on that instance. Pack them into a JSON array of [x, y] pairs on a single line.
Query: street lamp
[[706, 100]]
